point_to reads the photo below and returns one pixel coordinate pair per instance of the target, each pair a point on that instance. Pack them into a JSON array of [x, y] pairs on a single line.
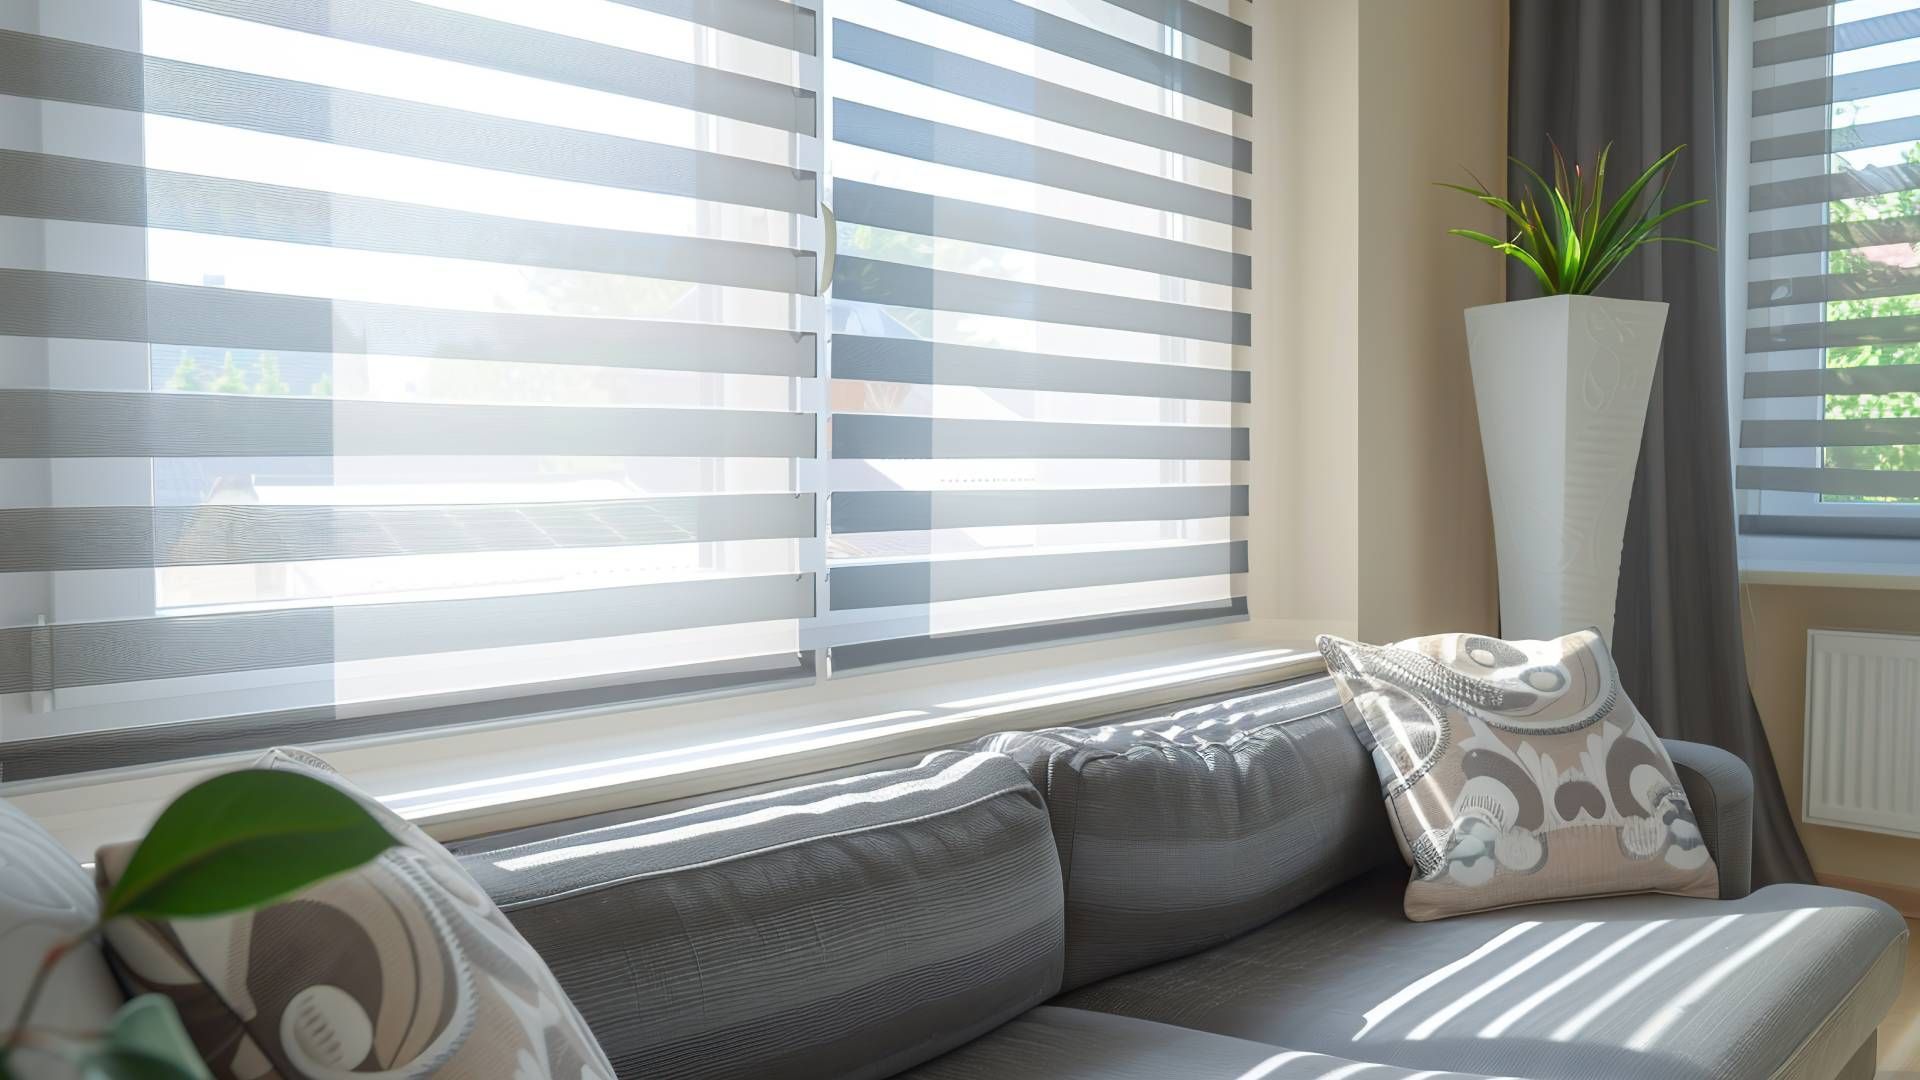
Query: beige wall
[[1370, 102], [1433, 102], [1305, 393], [1777, 618]]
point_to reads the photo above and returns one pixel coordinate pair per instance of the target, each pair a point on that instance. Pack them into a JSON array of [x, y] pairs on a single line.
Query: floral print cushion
[[403, 967], [1517, 772]]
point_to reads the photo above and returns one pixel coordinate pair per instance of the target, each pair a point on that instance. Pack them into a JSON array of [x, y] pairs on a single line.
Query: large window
[[368, 365], [1829, 435]]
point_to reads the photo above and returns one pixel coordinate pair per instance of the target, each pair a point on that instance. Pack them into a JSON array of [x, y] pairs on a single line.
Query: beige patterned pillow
[[1517, 771], [403, 967]]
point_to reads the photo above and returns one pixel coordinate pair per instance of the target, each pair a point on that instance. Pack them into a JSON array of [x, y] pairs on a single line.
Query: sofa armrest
[[1720, 788]]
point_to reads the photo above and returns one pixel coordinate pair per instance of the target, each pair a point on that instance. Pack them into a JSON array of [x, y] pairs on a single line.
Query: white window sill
[[1814, 575], [474, 781], [1830, 562]]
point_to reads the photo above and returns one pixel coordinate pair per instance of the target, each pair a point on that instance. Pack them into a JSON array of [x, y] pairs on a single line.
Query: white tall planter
[[1562, 384]]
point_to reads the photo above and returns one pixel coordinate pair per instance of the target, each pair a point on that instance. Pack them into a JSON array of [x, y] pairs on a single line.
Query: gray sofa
[[1208, 894]]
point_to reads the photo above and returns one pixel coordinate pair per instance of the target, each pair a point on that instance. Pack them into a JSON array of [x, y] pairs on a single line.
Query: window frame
[[1762, 555], [238, 695]]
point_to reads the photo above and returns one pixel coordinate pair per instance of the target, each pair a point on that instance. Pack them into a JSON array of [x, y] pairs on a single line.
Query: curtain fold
[[1646, 75]]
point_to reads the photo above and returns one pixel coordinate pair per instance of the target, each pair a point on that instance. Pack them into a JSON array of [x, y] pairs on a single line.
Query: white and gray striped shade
[[368, 365], [1039, 315], [1829, 432], [378, 364]]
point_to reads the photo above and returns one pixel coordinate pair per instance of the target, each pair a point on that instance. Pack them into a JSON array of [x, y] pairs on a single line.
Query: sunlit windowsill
[[1830, 562], [1834, 577], [471, 782]]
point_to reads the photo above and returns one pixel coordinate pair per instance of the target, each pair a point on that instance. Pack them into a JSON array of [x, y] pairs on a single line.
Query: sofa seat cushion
[[1074, 1044], [1785, 982]]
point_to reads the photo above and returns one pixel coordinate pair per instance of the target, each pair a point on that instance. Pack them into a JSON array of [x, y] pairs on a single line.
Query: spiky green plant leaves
[[1566, 233]]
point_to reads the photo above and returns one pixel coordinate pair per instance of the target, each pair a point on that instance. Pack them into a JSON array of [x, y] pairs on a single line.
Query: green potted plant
[[237, 841], [1562, 383]]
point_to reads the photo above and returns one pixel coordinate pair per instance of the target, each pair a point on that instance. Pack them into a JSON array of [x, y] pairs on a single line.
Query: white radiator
[[1863, 731]]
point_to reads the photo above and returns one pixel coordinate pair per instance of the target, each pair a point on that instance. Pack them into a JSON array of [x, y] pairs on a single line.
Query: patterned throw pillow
[[1518, 771], [403, 967]]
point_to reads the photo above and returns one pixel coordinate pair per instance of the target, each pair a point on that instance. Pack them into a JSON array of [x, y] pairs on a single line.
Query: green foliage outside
[[229, 381], [890, 245], [187, 377], [267, 380], [270, 381], [1898, 204]]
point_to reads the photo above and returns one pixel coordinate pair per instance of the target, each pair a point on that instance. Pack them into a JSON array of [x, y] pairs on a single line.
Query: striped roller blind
[[376, 364], [1829, 442], [1038, 314]]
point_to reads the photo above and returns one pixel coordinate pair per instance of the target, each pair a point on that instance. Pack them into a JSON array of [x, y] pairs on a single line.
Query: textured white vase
[[1562, 385]]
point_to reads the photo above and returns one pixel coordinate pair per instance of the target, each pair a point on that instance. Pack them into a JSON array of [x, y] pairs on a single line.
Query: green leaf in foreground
[[145, 1042], [241, 840]]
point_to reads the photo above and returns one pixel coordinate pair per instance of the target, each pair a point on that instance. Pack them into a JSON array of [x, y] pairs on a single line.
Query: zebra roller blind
[[372, 364], [1829, 439], [1038, 311]]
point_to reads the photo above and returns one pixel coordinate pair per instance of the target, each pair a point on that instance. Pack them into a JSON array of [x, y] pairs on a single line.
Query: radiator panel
[[1863, 731]]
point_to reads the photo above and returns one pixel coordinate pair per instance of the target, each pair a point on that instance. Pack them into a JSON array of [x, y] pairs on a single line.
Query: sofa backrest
[[846, 929], [1179, 832]]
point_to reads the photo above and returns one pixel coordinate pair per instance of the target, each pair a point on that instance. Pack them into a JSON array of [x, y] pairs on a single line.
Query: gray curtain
[[1646, 75]]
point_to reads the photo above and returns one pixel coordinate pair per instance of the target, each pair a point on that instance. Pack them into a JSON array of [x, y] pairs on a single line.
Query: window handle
[[829, 245]]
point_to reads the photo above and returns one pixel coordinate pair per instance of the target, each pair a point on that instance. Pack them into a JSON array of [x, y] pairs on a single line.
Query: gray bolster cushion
[[1181, 832], [1720, 788], [849, 929]]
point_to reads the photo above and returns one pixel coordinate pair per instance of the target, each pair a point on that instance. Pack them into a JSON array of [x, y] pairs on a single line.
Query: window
[[371, 365], [1828, 460], [1038, 301]]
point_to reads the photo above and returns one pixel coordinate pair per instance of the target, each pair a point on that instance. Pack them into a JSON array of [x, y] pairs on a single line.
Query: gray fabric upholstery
[[846, 929], [1179, 832], [1072, 1044], [1631, 986], [1720, 788]]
